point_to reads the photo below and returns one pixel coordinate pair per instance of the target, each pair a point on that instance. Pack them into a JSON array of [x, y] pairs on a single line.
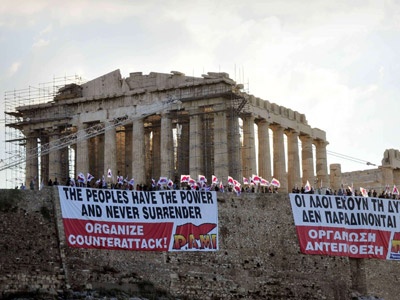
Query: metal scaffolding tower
[[15, 142]]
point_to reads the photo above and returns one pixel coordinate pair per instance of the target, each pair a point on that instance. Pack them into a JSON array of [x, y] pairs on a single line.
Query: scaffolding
[[15, 141]]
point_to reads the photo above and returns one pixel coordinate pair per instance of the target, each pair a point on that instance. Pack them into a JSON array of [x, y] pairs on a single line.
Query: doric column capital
[[261, 121], [305, 138], [247, 116], [276, 127], [320, 143], [291, 132]]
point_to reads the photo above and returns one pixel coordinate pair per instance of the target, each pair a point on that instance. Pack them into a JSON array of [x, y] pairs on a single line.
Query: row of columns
[[291, 178], [51, 164], [226, 151]]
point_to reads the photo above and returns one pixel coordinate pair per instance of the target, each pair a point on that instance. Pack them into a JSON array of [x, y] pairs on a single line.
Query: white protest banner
[[353, 226], [168, 220]]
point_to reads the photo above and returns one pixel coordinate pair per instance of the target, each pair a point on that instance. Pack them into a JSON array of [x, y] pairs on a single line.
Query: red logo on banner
[[195, 237]]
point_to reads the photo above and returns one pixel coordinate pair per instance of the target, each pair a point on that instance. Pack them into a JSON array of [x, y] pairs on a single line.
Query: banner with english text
[[166, 220], [352, 226]]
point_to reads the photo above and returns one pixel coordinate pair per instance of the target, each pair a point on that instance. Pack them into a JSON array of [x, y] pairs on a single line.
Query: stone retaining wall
[[259, 257]]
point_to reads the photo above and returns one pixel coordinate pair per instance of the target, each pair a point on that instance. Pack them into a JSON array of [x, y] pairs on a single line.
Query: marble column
[[65, 167], [167, 147], [335, 177], [120, 150], [44, 160], [195, 146], [129, 151], [55, 156], [148, 163], [156, 152], [249, 150], [183, 149], [93, 159], [221, 169], [293, 159], [32, 163], [234, 149], [110, 152], [138, 152], [82, 151], [321, 163], [279, 156], [264, 150], [307, 160], [98, 168]]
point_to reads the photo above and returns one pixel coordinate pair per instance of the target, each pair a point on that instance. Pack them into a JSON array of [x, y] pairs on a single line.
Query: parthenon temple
[[167, 125]]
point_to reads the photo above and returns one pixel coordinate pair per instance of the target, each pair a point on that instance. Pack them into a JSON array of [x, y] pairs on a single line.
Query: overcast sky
[[334, 61]]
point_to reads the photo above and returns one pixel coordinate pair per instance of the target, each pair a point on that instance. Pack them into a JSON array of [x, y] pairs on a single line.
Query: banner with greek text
[[349, 226], [167, 220]]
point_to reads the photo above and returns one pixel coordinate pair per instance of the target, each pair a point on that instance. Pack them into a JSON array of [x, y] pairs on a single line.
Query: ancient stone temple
[[148, 126]]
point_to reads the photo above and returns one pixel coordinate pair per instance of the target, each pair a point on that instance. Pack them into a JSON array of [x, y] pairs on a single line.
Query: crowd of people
[[386, 193], [154, 186]]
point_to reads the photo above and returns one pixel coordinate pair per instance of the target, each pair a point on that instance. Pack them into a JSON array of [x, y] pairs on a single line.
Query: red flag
[[214, 179], [163, 180], [185, 178], [363, 192], [221, 187], [238, 188], [89, 177], [256, 178], [351, 189], [202, 178], [81, 178], [387, 190], [275, 182], [307, 188], [395, 190], [170, 183]]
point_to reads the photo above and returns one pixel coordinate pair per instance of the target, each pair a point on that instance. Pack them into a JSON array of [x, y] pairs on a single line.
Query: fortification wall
[[29, 253], [259, 257], [369, 179]]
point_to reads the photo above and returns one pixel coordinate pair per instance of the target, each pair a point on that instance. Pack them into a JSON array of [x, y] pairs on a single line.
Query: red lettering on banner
[[357, 243]]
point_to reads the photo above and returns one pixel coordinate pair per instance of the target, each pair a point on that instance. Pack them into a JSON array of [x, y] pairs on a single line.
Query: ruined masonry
[[148, 126]]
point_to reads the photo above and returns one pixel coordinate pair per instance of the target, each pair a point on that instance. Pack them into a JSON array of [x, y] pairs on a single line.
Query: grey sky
[[334, 61]]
